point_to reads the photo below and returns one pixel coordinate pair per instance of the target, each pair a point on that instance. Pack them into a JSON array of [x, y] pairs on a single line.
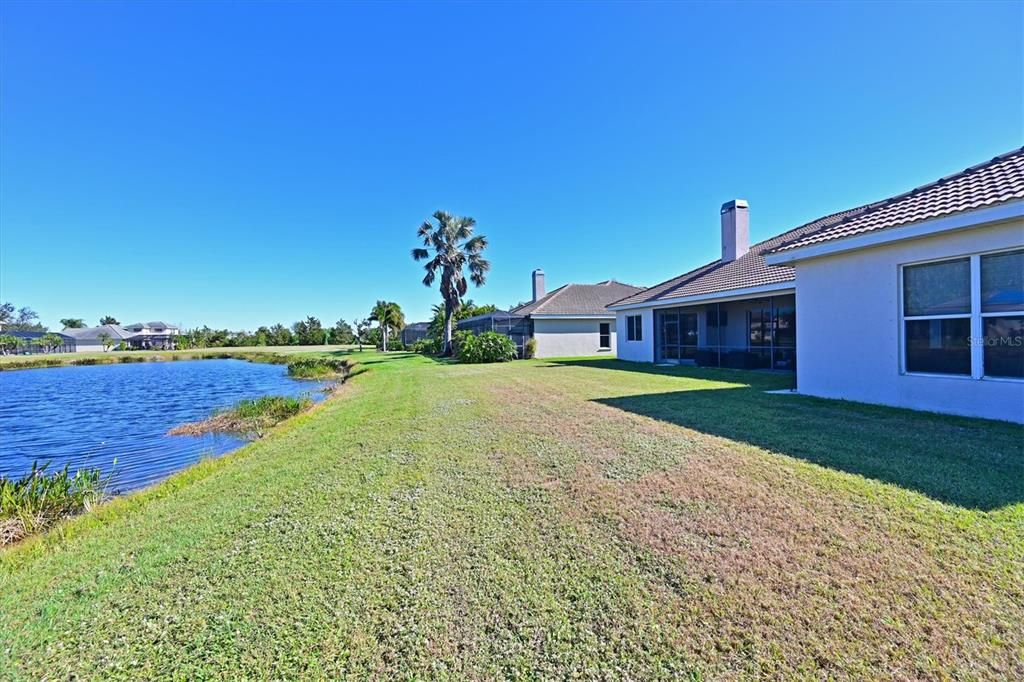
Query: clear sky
[[238, 164]]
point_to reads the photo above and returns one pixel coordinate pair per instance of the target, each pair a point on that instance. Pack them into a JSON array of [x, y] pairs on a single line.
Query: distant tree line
[[307, 332]]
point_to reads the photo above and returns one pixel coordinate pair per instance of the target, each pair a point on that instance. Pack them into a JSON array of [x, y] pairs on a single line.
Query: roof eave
[[926, 228], [718, 296]]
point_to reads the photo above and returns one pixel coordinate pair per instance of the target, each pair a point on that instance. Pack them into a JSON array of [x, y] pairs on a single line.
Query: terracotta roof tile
[[993, 182]]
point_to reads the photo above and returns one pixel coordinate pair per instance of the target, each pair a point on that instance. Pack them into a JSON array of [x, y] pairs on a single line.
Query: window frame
[[634, 327], [604, 334], [975, 315]]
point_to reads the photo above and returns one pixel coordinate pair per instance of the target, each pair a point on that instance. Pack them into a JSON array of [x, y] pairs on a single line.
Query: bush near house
[[530, 349], [487, 347]]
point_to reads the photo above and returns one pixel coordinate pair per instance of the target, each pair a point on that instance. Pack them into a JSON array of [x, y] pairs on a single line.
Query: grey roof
[[991, 183], [417, 326], [93, 333], [147, 325], [579, 299], [996, 181], [34, 335]]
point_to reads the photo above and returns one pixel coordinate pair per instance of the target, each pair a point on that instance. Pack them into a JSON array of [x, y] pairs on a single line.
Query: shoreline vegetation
[[278, 355], [37, 501], [248, 418]]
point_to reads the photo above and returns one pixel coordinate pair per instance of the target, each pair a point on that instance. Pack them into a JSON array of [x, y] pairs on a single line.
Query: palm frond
[[420, 254]]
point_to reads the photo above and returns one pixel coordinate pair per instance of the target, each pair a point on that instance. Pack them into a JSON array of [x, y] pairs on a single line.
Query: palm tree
[[454, 248], [389, 316]]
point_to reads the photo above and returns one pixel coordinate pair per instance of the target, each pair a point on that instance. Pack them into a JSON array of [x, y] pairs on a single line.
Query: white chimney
[[735, 229], [538, 284]]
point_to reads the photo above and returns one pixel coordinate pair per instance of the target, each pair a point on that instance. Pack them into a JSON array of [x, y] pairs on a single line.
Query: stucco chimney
[[735, 229], [538, 284]]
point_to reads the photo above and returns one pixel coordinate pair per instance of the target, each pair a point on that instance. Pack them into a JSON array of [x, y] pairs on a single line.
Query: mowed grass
[[548, 519]]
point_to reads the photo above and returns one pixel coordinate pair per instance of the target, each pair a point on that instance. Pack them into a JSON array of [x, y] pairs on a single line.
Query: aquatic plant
[[38, 500], [248, 417], [317, 368]]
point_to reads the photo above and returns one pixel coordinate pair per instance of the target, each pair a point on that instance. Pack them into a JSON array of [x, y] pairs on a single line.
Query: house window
[[605, 334], [965, 316], [634, 328], [1002, 313]]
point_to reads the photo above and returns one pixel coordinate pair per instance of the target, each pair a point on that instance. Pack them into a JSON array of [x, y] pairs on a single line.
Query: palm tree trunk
[[384, 335], [447, 350]]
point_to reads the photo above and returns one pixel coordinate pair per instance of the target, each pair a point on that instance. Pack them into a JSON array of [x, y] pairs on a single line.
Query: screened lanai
[[748, 334]]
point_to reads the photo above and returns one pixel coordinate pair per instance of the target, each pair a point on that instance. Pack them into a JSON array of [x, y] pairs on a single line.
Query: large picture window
[[965, 316]]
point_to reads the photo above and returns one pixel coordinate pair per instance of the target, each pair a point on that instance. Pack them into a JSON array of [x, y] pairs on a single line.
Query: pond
[[89, 416]]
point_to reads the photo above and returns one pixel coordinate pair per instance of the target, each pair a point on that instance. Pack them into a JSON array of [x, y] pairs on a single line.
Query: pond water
[[91, 415]]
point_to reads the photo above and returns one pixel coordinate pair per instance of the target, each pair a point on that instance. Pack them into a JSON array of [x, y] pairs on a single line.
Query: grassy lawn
[[548, 519]]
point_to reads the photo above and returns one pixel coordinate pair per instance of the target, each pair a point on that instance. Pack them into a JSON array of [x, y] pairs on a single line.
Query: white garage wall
[[570, 337], [635, 351], [848, 329]]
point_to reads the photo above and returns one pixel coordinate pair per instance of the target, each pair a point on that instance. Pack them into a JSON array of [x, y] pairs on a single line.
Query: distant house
[[417, 331], [913, 301], [32, 346], [571, 321], [141, 335]]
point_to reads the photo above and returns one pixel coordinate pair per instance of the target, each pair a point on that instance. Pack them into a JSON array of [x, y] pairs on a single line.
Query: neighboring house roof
[[749, 270], [150, 325], [987, 184], [93, 333], [494, 314], [29, 336], [578, 299], [996, 181]]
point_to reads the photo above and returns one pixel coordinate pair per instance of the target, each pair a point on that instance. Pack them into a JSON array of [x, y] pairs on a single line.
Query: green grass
[[547, 519]]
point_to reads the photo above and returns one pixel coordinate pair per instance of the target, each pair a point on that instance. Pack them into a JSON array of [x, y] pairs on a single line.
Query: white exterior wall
[[88, 346], [635, 351], [848, 329], [571, 337]]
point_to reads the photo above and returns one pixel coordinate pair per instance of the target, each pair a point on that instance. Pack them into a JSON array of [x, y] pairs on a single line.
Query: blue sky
[[237, 164]]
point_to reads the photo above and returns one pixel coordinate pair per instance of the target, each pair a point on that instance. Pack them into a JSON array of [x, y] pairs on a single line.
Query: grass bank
[[273, 354], [548, 519]]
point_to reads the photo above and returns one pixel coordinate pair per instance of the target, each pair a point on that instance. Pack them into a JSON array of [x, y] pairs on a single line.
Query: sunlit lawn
[[549, 519]]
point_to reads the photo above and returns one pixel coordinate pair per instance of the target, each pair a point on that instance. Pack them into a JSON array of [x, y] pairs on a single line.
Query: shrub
[[460, 338], [426, 347], [37, 500], [530, 349], [317, 368], [487, 347]]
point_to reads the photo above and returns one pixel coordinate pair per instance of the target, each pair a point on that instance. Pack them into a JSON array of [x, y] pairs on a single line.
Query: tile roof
[[993, 182], [90, 333], [987, 184], [578, 299], [749, 270]]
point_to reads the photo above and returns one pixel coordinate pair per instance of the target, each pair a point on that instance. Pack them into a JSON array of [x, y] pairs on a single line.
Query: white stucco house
[[571, 321], [913, 301], [142, 335]]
